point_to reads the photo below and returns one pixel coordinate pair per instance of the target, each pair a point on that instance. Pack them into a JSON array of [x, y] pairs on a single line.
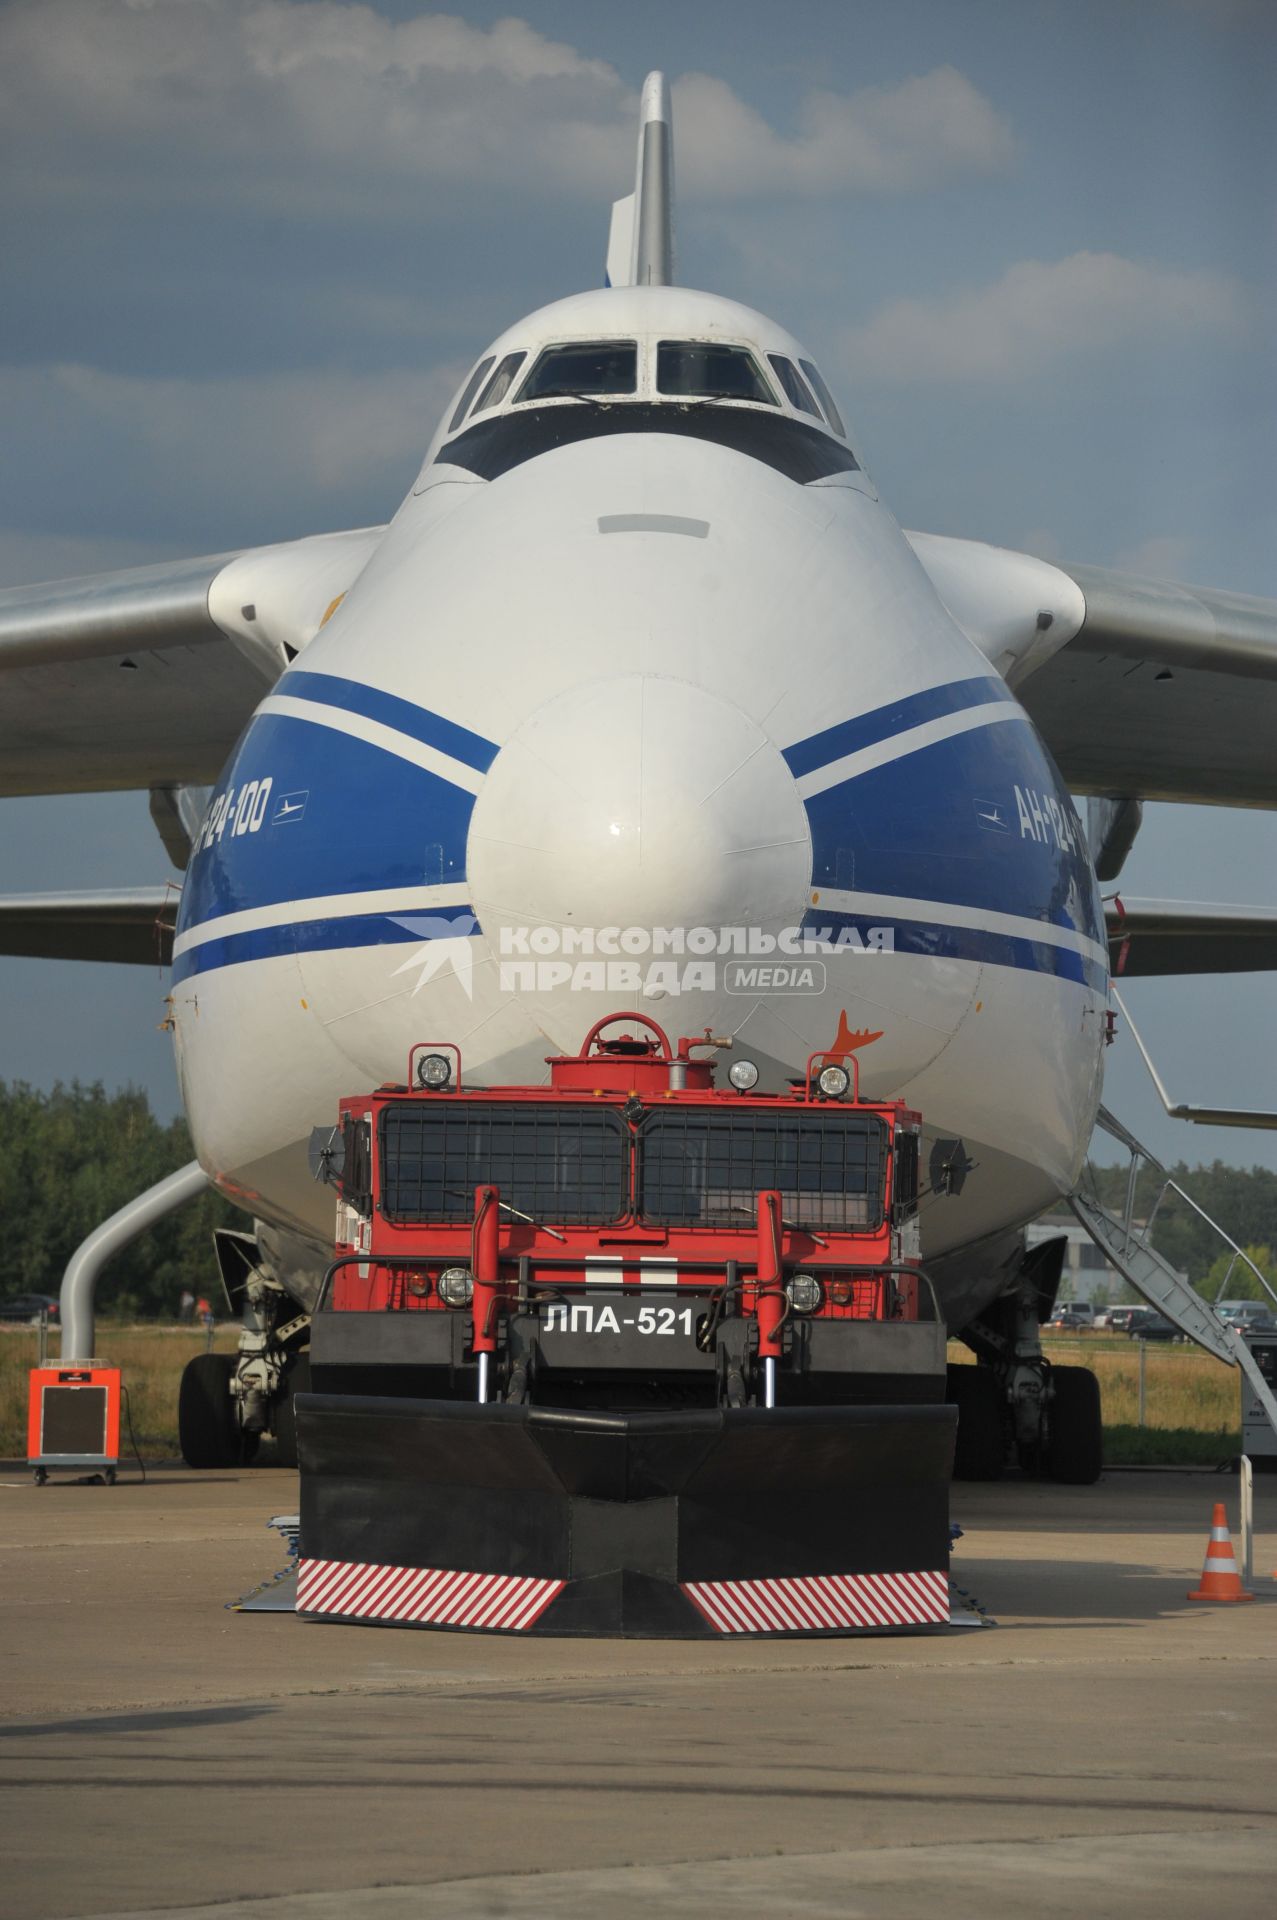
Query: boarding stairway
[[1130, 1250]]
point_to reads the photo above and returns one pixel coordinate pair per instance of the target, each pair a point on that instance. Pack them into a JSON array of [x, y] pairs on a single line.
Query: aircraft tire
[[207, 1428], [297, 1380], [1075, 1432], [980, 1453]]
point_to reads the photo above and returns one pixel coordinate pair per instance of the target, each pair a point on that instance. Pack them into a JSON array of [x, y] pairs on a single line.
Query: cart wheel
[[41, 1475]]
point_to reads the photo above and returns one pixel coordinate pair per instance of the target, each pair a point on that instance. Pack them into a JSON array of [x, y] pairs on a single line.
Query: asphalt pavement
[[1107, 1748]]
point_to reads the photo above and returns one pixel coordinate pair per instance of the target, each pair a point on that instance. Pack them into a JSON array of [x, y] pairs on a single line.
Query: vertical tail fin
[[640, 251]]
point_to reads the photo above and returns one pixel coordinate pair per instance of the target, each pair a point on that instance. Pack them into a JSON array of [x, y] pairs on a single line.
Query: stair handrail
[[1239, 1253], [1170, 1184], [1231, 1336]]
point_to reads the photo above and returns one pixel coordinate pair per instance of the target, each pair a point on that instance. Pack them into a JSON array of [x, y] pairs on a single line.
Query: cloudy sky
[[251, 245]]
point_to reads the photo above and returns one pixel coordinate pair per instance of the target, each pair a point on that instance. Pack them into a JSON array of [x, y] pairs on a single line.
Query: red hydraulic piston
[[770, 1297], [485, 1264]]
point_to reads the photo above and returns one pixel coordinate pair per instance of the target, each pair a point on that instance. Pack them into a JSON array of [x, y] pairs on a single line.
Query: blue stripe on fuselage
[[321, 936], [404, 715], [942, 822], [979, 945], [919, 827], [867, 729], [370, 820]]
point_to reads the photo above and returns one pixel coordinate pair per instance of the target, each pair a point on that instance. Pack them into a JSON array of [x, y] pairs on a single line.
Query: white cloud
[[312, 102], [880, 140], [1162, 556], [1044, 543], [259, 440], [288, 99], [1041, 312], [326, 430], [27, 557]]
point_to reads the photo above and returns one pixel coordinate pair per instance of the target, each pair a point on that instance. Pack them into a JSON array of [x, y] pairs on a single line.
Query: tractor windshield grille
[[702, 1170], [563, 1165]]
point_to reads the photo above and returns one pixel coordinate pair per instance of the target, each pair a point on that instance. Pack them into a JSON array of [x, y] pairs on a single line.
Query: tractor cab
[[645, 1230]]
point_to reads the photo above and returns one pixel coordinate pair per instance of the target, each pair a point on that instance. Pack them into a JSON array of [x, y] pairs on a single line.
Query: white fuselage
[[602, 729]]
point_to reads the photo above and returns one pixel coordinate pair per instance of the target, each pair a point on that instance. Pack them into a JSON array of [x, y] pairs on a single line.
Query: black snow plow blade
[[643, 1525]]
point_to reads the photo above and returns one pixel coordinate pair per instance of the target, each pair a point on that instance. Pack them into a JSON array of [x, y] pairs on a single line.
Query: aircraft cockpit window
[[468, 392], [501, 382], [797, 392], [583, 371], [707, 371], [825, 397]]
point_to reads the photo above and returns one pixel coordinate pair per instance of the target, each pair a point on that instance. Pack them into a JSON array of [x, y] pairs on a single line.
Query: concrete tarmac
[[1109, 1748]]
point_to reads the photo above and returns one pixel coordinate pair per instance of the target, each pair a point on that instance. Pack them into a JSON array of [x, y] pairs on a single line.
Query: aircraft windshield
[[599, 367], [501, 382], [706, 371], [825, 397], [797, 392], [468, 392]]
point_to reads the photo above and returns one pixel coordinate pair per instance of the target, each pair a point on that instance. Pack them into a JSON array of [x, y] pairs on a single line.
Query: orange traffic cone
[[1220, 1578]]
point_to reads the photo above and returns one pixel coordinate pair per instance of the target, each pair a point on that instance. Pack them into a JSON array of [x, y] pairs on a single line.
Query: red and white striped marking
[[823, 1603], [423, 1596]]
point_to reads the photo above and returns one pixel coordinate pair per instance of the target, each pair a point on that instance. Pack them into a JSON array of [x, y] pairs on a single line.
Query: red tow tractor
[[630, 1353]]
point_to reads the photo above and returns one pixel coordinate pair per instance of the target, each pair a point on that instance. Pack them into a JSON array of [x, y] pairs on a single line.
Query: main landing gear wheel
[[207, 1427], [980, 1453], [1075, 1432]]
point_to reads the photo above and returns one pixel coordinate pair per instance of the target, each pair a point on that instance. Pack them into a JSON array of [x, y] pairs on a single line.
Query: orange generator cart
[[73, 1419]]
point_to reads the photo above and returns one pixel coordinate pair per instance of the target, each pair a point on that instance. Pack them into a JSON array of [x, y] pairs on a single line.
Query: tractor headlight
[[834, 1082], [743, 1075], [803, 1292], [456, 1286], [434, 1070]]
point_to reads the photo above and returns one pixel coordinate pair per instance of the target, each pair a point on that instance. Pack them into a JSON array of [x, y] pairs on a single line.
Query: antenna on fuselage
[[640, 248]]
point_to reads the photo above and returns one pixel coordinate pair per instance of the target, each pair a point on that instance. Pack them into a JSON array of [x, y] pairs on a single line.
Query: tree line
[[1241, 1200], [71, 1157]]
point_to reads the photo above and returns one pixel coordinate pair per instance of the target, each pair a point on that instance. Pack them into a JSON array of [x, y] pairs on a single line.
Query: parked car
[[1126, 1319], [1071, 1319], [1248, 1316], [1155, 1326], [27, 1307]]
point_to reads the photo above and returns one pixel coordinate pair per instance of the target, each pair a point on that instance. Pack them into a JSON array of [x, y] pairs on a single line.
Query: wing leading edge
[[133, 925], [1139, 687], [145, 678]]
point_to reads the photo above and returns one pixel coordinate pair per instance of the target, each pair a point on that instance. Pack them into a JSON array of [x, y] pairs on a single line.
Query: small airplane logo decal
[[291, 807], [990, 817], [845, 1041]]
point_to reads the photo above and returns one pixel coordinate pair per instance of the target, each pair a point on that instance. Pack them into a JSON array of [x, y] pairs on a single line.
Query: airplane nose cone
[[639, 801]]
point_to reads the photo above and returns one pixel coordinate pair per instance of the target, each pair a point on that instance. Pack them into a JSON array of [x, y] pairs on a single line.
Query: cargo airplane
[[642, 698]]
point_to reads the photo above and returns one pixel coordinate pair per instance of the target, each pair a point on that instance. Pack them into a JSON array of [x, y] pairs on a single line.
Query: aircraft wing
[[1149, 937], [1139, 687], [145, 678], [134, 925]]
